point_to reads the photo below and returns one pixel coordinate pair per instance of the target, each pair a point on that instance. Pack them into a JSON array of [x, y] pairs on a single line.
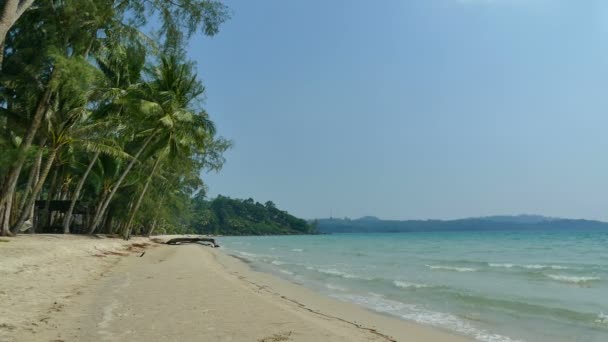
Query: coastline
[[178, 293]]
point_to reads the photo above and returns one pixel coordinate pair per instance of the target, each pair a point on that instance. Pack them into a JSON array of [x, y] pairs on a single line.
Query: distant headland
[[524, 222]]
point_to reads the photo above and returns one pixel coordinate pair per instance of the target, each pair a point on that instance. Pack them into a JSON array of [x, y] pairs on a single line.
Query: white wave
[[501, 265], [335, 287], [286, 272], [249, 255], [602, 318], [571, 279], [534, 267], [538, 267], [559, 267], [335, 272], [420, 315], [277, 262], [530, 267], [408, 285], [374, 294], [297, 250], [451, 268]]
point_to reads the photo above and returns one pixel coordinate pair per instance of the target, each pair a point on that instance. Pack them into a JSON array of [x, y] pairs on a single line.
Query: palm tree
[[121, 66], [48, 52], [49, 86], [173, 90]]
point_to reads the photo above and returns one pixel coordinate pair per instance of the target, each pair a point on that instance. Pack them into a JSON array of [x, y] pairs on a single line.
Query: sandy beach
[[70, 288]]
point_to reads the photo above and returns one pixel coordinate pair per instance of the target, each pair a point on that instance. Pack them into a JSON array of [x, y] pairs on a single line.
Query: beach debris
[[142, 254], [27, 225], [277, 337], [178, 241]]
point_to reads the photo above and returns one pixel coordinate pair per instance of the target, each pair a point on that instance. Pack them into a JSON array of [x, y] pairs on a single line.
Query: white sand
[[55, 289]]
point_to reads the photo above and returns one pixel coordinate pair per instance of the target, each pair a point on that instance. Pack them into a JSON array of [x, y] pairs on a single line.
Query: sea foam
[[335, 287], [529, 267], [501, 265], [572, 279], [408, 285], [286, 272], [538, 267], [451, 268], [420, 315], [602, 318], [338, 273], [249, 255]]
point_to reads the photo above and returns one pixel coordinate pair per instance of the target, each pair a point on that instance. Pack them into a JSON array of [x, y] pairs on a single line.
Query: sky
[[412, 109]]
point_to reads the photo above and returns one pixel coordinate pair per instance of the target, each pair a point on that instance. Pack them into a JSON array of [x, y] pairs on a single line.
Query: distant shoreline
[[481, 224]]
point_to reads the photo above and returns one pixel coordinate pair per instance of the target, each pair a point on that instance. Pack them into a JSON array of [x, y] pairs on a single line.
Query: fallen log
[[178, 241]]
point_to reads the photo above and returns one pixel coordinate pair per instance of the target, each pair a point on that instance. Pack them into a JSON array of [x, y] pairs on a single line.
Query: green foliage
[[227, 216], [81, 78]]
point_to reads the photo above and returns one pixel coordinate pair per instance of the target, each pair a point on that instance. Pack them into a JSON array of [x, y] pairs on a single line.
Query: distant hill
[[524, 218], [370, 224], [228, 216], [369, 219]]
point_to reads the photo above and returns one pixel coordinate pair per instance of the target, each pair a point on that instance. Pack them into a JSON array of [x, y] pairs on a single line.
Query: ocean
[[491, 286]]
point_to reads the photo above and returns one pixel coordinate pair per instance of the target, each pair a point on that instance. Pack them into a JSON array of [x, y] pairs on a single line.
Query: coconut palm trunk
[[141, 197], [10, 184], [6, 210], [10, 12], [104, 205], [68, 216], [32, 179], [152, 228], [45, 172]]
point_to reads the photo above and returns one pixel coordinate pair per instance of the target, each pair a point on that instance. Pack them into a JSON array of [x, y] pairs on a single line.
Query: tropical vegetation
[[99, 105], [226, 216]]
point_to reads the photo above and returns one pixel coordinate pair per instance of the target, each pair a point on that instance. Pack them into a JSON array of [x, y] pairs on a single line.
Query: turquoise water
[[492, 286]]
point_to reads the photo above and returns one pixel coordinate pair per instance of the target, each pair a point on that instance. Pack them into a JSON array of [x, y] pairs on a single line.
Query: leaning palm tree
[[121, 67], [71, 125], [166, 108], [48, 50], [186, 130]]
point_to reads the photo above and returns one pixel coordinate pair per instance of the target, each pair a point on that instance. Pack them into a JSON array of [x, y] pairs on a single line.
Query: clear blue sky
[[412, 109]]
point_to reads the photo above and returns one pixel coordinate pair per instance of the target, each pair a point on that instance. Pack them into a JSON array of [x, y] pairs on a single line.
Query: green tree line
[[99, 105], [226, 216]]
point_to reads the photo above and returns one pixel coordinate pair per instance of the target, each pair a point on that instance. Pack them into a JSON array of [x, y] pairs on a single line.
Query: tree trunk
[[32, 209], [141, 197], [98, 207], [45, 172], [1, 54], [10, 184], [104, 205], [151, 228], [11, 11], [68, 216], [49, 197], [6, 218], [32, 179], [179, 241], [108, 223], [155, 221], [6, 22]]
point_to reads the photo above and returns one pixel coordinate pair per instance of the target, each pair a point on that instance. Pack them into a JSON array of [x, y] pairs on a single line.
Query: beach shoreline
[[158, 292]]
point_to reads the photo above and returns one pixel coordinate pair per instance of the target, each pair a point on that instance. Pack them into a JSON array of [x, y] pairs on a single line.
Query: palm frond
[[111, 151]]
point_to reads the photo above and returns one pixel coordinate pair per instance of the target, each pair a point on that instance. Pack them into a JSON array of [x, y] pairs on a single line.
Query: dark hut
[[49, 215]]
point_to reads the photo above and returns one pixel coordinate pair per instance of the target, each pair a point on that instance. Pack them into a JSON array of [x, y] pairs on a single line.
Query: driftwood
[[178, 241]]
